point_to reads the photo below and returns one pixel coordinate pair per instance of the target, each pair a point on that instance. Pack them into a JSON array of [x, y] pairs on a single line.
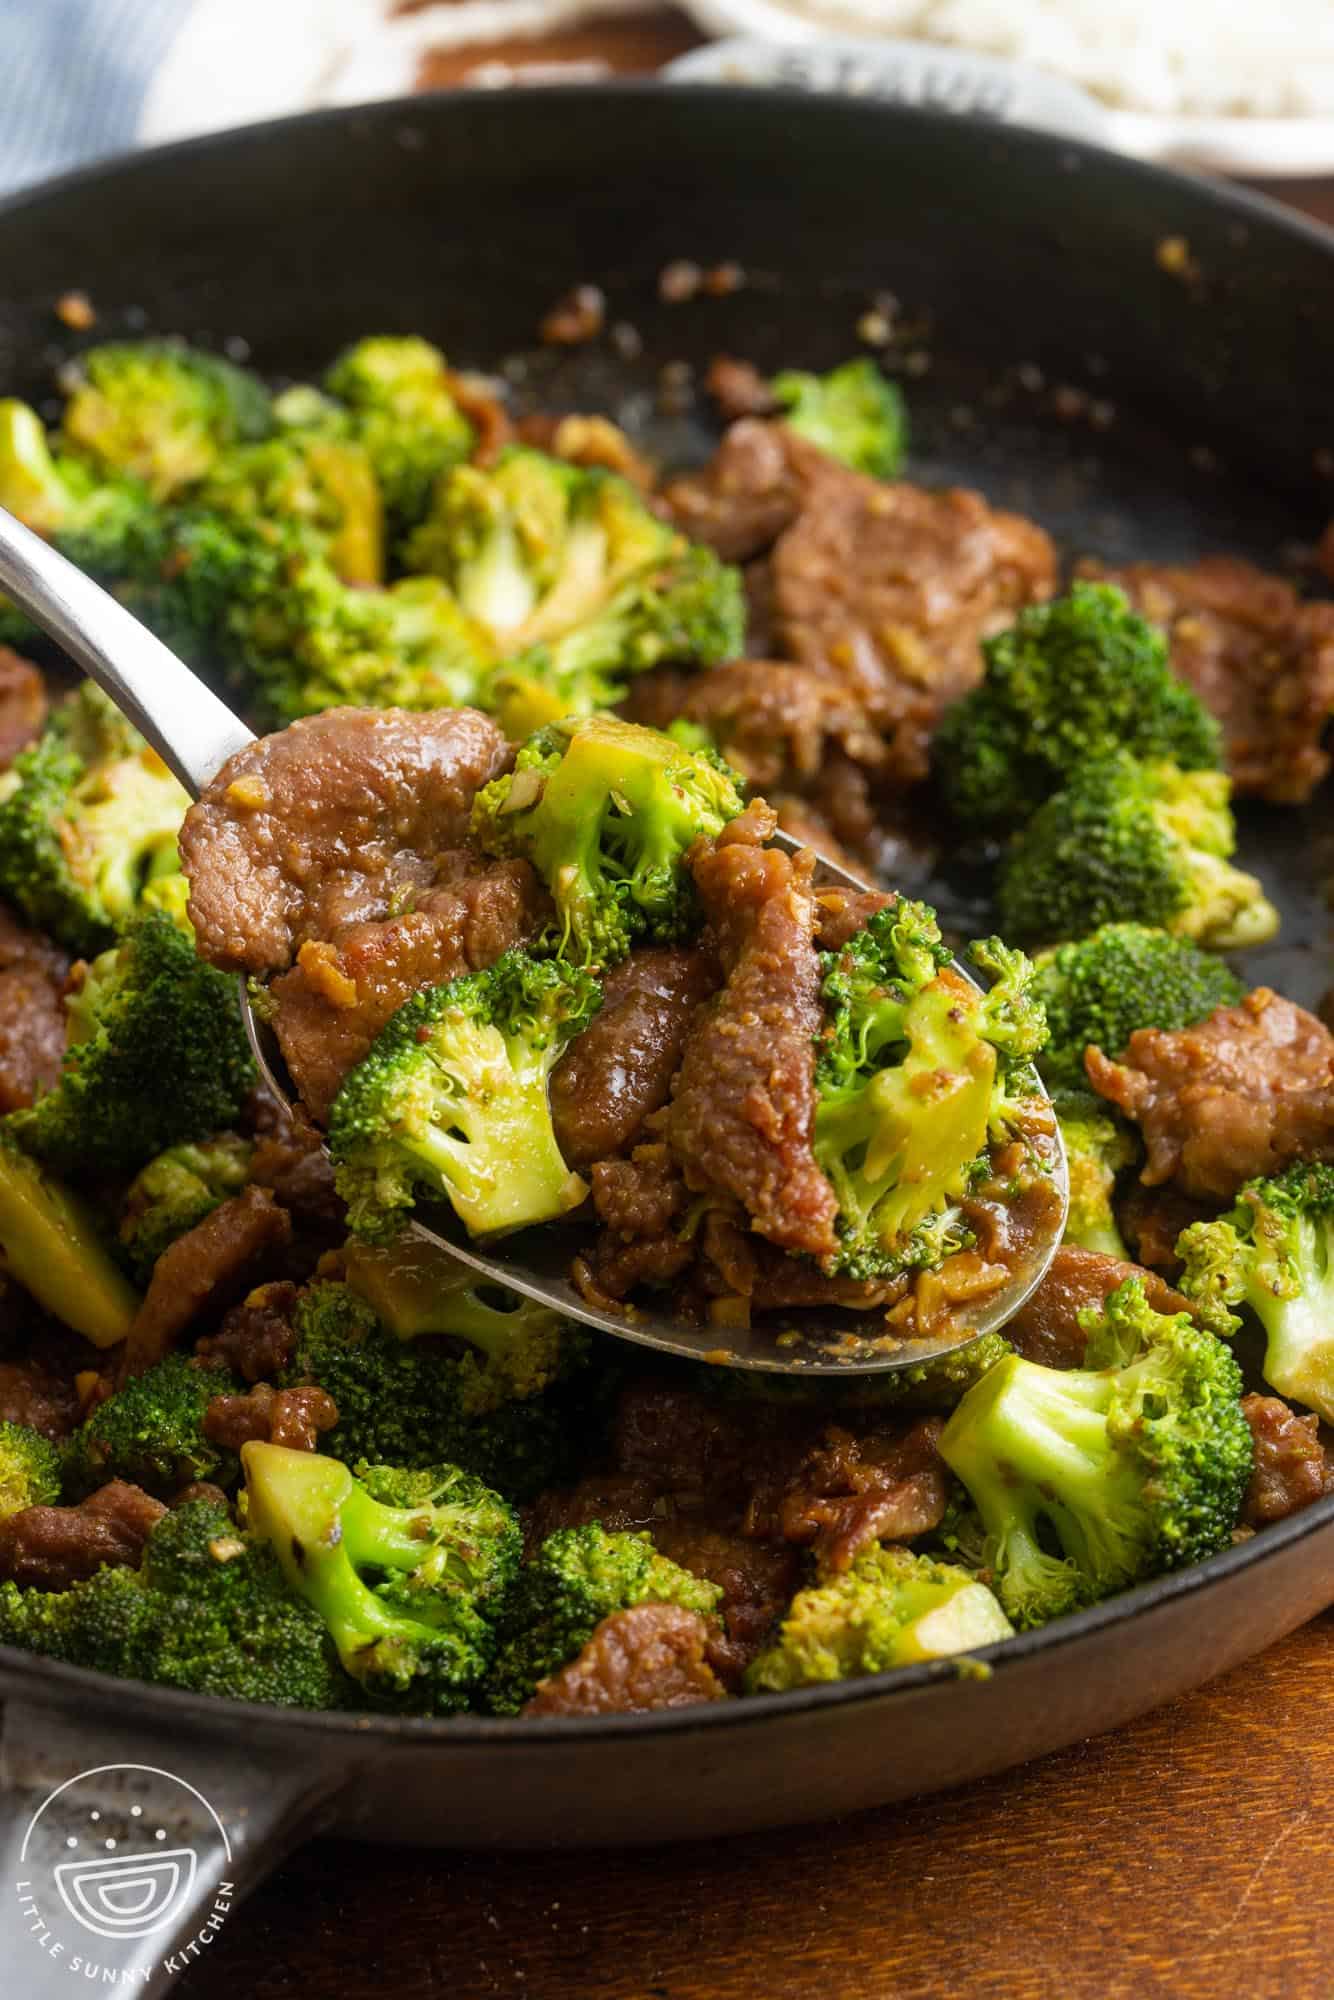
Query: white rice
[[1198, 56]]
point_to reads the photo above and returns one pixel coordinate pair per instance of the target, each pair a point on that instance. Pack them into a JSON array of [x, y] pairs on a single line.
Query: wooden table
[[1190, 1857]]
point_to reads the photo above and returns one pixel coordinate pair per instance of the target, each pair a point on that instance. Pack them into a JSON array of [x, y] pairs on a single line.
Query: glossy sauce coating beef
[[204, 1270], [53, 1547], [1258, 657], [1047, 1329], [1292, 1467], [1242, 1094], [744, 1105], [620, 1068], [647, 1657], [885, 589], [333, 1002], [330, 823], [32, 1013]]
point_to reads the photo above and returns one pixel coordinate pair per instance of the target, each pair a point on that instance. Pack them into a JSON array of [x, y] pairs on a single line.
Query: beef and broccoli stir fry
[[503, 879]]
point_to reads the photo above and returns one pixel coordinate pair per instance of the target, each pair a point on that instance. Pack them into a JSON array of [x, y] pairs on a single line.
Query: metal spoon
[[195, 734]]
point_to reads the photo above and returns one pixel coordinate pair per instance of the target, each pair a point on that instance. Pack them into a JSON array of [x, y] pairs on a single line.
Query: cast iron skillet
[[1026, 265]]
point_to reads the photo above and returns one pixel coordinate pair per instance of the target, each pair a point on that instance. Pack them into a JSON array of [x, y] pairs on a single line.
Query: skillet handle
[[127, 1848]]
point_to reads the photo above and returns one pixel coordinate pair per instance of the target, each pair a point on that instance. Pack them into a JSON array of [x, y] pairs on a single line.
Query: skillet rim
[[25, 1673]]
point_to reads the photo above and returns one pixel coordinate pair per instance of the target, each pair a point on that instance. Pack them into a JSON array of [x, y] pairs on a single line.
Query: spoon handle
[[184, 721]]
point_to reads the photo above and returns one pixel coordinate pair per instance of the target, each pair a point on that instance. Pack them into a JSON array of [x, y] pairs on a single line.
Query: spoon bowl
[[195, 733]]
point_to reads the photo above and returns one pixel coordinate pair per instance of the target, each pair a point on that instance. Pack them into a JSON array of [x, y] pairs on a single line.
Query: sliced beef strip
[[206, 1268], [848, 1490], [885, 589], [1258, 657], [330, 823], [743, 1107], [290, 1417], [35, 1395], [1244, 1093], [1046, 1329], [256, 1338], [32, 1013], [757, 1579], [621, 1068], [1292, 1467], [342, 989], [638, 1203], [777, 722], [289, 1159], [648, 1657], [890, 589], [22, 704], [738, 389], [49, 1548], [749, 492], [1152, 1219]]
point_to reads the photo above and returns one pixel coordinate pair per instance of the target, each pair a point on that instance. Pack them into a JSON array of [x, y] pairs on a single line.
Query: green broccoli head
[[451, 1102], [1098, 990], [88, 817], [916, 1072], [273, 609], [1126, 842], [29, 1470], [161, 411], [606, 811], [578, 1577], [854, 413], [1072, 681], [417, 1400], [576, 581], [326, 485], [401, 407], [51, 1243], [209, 1610], [176, 1191], [405, 1569], [510, 1347], [151, 1432], [157, 1054], [1098, 1147], [890, 1609], [1089, 1480], [1273, 1252], [108, 526]]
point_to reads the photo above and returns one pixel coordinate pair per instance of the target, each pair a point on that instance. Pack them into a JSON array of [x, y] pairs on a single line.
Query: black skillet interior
[[1023, 268]]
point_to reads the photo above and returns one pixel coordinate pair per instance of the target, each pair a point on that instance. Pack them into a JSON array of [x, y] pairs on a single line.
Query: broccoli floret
[[106, 526], [418, 1402], [88, 817], [209, 1611], [452, 1102], [1088, 1480], [324, 484], [1072, 680], [854, 413], [605, 811], [399, 394], [1098, 990], [157, 1054], [1274, 1253], [174, 1192], [578, 1577], [890, 1609], [915, 1072], [1126, 842], [29, 1470], [405, 1569], [575, 580], [161, 411], [1098, 1147], [151, 1432], [50, 1243], [513, 1347]]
